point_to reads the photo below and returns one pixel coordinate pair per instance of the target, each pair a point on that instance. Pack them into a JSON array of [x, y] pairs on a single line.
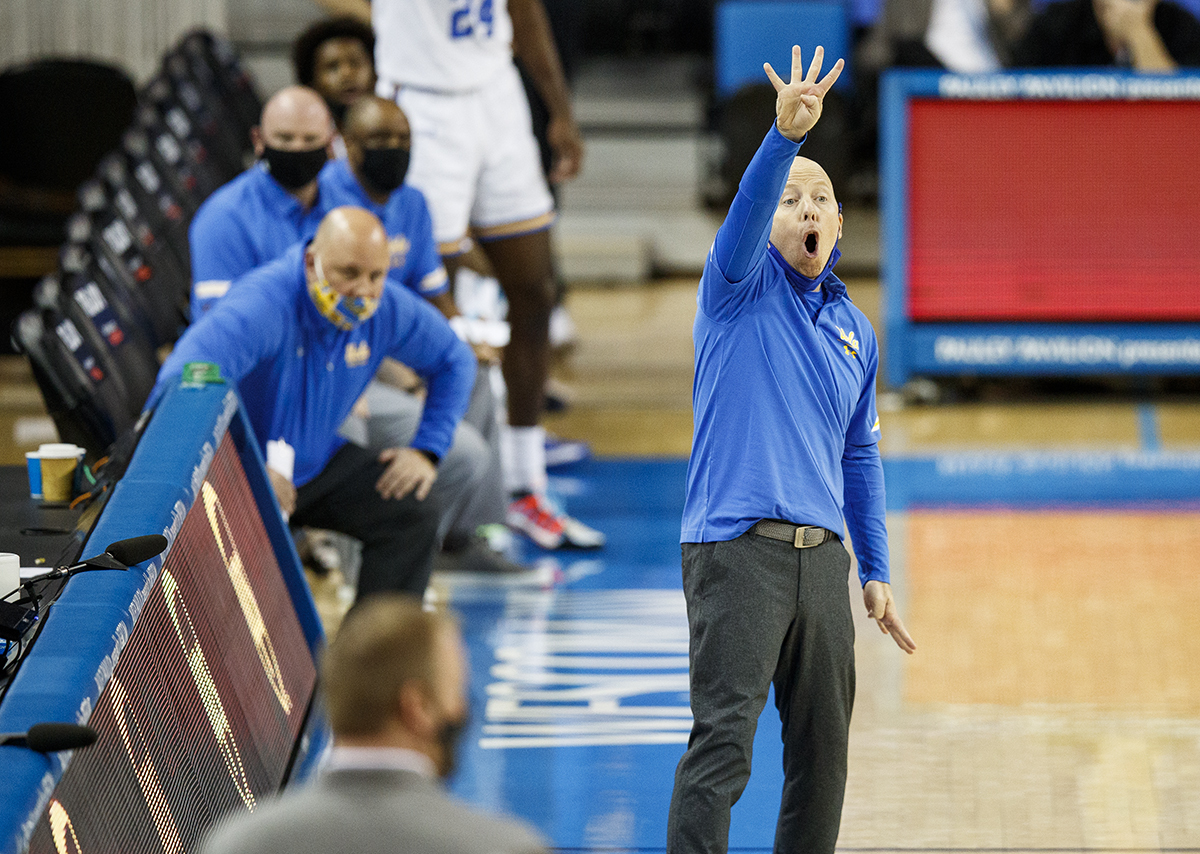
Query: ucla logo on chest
[[357, 354], [849, 342], [398, 247]]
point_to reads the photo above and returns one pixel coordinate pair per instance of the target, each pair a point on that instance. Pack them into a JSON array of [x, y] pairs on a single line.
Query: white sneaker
[[577, 535]]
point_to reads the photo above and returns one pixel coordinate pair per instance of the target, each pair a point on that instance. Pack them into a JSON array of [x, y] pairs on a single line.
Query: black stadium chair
[[148, 142], [155, 201], [213, 119], [157, 99], [121, 290], [236, 87], [119, 350], [77, 261], [87, 405], [159, 95], [160, 304], [100, 204]]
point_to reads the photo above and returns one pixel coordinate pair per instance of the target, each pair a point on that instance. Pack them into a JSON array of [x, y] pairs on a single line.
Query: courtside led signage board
[[1041, 223], [196, 668], [206, 701]]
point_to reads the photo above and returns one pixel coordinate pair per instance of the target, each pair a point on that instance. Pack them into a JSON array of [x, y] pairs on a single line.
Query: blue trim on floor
[[622, 489], [1043, 478]]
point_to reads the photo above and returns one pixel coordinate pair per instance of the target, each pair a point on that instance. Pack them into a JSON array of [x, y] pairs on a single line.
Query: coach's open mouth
[[810, 244]]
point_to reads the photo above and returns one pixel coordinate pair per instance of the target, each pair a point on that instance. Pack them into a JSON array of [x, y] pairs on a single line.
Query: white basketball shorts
[[475, 159]]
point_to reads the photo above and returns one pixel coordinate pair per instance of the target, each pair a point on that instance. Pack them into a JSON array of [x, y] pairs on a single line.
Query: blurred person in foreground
[[395, 688], [784, 458]]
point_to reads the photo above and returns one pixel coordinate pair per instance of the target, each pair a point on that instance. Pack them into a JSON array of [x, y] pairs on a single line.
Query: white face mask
[[342, 311]]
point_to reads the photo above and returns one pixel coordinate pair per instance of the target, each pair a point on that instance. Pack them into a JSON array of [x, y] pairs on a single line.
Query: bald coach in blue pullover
[[784, 450], [302, 336]]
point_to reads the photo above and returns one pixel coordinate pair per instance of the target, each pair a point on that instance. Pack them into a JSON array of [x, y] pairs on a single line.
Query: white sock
[[523, 457]]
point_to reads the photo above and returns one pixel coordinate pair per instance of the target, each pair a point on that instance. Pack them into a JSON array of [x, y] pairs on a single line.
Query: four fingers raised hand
[[798, 102]]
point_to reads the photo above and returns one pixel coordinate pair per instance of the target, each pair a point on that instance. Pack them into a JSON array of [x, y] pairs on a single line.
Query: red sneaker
[[535, 519]]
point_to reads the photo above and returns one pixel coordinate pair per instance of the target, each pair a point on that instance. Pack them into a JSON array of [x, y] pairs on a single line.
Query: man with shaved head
[[378, 146], [263, 211], [784, 459], [471, 487], [301, 337]]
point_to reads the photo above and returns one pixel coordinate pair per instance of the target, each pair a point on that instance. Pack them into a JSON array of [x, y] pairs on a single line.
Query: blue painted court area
[[579, 671]]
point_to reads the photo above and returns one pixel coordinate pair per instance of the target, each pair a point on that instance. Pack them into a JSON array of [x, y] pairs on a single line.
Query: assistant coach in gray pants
[[785, 448]]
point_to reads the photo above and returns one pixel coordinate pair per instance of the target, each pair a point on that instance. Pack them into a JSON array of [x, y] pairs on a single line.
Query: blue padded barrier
[[64, 674]]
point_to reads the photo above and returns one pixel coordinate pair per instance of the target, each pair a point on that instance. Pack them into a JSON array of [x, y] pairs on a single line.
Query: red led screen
[[207, 697], [1054, 210]]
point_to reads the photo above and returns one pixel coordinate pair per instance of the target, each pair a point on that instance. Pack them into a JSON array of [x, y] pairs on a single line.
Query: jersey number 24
[[464, 24]]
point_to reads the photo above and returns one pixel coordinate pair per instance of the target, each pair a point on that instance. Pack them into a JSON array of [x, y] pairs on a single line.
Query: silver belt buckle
[[808, 536]]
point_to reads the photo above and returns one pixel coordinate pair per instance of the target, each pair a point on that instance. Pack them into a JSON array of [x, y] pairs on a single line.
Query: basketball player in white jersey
[[449, 65]]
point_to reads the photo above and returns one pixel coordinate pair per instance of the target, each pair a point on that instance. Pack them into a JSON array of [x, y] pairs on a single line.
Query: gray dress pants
[[470, 487], [761, 611]]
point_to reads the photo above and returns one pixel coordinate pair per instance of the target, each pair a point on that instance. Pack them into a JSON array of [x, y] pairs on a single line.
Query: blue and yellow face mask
[[344, 312]]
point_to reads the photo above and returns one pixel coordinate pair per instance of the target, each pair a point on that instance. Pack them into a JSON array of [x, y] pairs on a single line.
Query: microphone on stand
[[137, 549], [51, 737], [16, 619], [119, 555]]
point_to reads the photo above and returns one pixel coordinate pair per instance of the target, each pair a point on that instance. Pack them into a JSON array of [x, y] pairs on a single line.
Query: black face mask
[[384, 168], [448, 737], [294, 169], [338, 110]]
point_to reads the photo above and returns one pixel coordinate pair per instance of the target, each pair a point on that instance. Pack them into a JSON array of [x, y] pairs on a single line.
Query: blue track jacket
[[299, 375], [784, 393]]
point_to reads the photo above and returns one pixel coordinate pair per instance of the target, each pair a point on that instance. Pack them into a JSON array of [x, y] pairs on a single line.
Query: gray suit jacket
[[369, 811]]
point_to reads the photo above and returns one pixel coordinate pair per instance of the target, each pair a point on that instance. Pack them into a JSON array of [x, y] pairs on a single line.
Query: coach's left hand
[[881, 608], [408, 471]]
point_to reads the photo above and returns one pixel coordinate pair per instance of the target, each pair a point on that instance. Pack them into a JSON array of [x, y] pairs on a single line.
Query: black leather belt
[[800, 536]]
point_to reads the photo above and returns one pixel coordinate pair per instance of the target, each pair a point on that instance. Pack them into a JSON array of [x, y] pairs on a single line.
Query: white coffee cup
[[10, 573], [281, 457]]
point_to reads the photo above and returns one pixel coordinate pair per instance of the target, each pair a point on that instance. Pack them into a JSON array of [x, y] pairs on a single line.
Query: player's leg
[[522, 264], [511, 218], [447, 156]]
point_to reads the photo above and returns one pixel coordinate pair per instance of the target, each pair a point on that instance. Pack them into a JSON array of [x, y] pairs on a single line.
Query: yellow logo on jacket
[[357, 354], [398, 247], [851, 345]]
